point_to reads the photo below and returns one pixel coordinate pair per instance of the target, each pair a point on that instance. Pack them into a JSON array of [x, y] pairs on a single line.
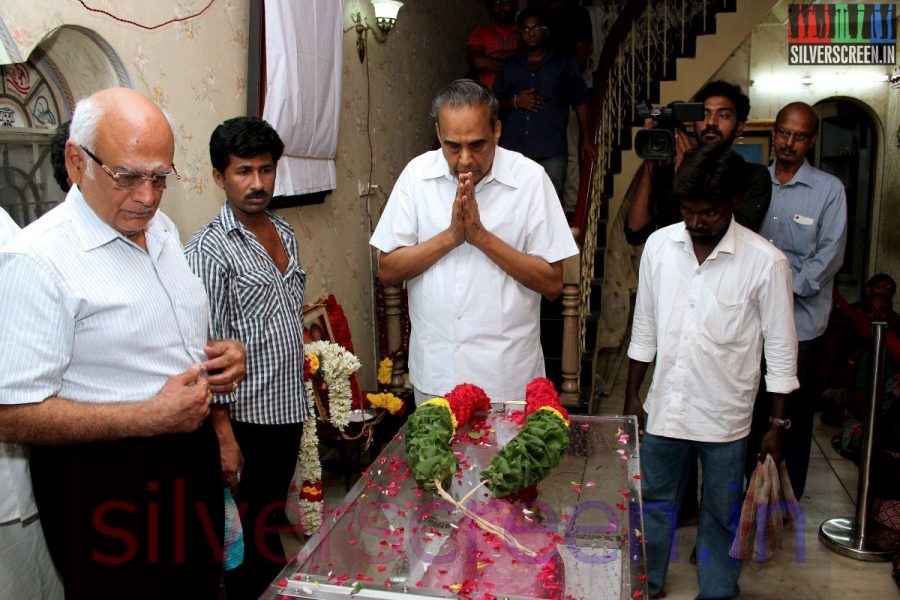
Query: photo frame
[[316, 323], [755, 143]]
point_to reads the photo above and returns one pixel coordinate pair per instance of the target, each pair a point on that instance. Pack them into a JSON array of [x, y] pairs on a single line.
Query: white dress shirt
[[471, 322], [90, 316], [17, 502], [706, 325]]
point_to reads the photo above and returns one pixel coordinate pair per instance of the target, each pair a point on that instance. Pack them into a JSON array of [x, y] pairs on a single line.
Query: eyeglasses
[[535, 29], [127, 179], [799, 136]]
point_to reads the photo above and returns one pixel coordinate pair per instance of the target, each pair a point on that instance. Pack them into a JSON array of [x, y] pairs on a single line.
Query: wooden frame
[[755, 143]]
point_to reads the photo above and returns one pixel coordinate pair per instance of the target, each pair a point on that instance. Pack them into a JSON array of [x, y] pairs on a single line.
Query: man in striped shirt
[[247, 257]]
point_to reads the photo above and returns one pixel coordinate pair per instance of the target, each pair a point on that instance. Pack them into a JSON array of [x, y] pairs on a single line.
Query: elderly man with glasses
[[107, 371], [807, 220]]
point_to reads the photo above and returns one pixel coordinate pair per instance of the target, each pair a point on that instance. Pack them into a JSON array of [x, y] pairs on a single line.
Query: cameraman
[[652, 205]]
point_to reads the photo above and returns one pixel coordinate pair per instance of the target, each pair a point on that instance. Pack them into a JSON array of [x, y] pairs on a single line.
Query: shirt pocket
[[723, 323], [295, 284], [802, 233], [256, 295]]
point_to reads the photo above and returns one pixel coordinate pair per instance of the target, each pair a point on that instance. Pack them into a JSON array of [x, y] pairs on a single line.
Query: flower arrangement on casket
[[526, 460], [522, 463], [327, 368]]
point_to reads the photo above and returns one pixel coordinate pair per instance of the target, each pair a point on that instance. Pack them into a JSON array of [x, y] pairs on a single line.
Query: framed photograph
[[755, 143], [316, 324]]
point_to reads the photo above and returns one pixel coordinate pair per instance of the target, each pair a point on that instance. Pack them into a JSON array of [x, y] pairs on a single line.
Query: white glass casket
[[390, 539]]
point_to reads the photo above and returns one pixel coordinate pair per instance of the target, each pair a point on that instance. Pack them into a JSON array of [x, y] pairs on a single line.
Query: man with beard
[[713, 297], [247, 257], [652, 205], [807, 220]]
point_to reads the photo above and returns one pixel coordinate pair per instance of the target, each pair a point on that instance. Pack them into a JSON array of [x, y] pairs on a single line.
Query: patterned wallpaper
[[196, 70]]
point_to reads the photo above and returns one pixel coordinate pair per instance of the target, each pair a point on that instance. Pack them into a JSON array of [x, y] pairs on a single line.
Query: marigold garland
[[387, 401], [385, 368]]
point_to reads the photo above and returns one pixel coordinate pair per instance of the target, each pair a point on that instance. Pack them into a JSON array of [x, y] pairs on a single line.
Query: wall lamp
[[385, 17]]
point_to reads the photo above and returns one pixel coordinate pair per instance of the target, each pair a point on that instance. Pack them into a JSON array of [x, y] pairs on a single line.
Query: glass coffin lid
[[390, 539]]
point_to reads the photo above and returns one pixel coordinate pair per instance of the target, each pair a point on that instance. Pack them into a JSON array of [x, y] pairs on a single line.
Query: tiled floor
[[802, 570]]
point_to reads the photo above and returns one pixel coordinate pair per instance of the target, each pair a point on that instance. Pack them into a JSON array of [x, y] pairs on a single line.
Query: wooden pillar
[[394, 329], [571, 342]]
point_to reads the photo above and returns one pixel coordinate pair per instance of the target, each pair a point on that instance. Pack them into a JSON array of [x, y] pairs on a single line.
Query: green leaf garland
[[530, 456], [428, 452]]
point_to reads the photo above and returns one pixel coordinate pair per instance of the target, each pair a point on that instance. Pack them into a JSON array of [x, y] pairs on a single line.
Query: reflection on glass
[[389, 539]]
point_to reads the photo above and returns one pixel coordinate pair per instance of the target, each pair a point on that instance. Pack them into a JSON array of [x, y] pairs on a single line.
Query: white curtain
[[303, 89]]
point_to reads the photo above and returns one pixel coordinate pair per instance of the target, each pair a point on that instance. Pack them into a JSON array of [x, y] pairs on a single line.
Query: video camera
[[658, 143]]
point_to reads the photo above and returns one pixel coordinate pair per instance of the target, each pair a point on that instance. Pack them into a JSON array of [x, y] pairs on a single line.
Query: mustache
[[260, 194], [714, 130]]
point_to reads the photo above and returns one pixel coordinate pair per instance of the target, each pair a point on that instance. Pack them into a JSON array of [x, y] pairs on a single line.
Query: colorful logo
[[841, 34]]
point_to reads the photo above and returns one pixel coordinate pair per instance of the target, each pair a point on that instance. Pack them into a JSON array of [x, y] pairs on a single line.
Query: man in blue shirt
[[807, 220], [535, 89]]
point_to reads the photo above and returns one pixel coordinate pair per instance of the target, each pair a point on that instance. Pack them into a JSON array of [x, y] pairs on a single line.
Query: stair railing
[[638, 52]]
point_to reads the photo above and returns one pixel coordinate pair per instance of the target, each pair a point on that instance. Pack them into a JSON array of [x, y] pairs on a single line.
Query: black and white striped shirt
[[252, 301]]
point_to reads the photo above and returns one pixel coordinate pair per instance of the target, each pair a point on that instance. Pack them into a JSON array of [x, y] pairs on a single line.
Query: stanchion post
[[847, 535]]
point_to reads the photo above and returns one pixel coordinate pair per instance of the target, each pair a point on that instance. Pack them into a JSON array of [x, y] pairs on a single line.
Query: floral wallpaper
[[197, 71]]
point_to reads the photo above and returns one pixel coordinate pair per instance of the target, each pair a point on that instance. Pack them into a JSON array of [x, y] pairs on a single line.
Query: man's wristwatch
[[782, 423]]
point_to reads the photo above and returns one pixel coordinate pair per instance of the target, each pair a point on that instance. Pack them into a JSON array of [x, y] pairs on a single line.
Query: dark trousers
[[135, 518], [270, 457], [801, 409]]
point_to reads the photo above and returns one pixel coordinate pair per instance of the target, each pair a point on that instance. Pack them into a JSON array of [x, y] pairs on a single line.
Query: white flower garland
[[310, 466], [336, 364]]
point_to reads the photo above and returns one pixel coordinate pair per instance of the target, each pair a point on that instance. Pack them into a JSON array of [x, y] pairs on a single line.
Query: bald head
[[796, 126], [126, 132], [121, 112], [801, 110]]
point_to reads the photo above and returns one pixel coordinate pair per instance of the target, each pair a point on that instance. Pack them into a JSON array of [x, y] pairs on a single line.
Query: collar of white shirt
[[93, 232], [726, 245], [500, 171]]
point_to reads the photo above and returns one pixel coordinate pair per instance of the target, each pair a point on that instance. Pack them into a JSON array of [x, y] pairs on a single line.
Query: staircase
[[659, 51]]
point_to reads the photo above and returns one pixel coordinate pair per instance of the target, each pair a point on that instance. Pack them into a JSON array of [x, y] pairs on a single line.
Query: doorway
[[847, 148]]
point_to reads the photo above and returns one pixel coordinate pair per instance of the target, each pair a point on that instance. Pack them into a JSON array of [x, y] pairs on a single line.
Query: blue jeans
[[665, 464], [555, 166]]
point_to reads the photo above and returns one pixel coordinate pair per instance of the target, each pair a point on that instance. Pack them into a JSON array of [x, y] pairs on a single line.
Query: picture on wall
[[755, 143]]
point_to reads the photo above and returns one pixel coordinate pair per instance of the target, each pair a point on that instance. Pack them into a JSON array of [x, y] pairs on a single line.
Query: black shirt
[[749, 209]]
